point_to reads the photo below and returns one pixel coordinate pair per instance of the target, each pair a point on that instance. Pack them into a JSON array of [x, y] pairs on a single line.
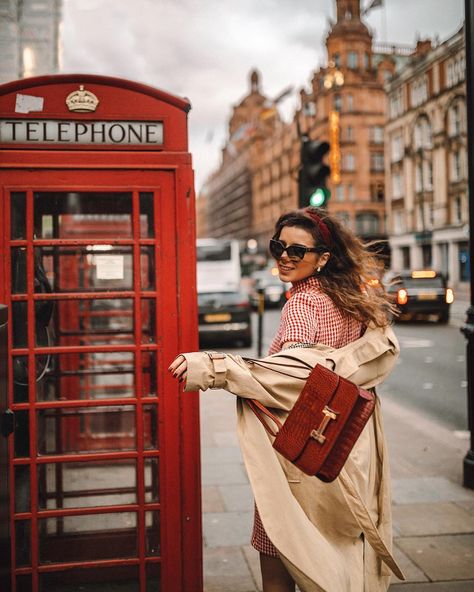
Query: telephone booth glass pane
[[87, 484], [88, 268], [85, 375], [147, 229], [88, 537], [98, 579], [83, 215], [18, 215]]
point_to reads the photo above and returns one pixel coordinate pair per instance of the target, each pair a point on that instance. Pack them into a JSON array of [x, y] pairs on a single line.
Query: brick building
[[426, 161], [345, 105]]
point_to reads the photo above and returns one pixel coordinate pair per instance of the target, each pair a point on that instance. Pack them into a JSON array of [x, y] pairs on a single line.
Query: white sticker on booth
[[28, 103], [109, 267]]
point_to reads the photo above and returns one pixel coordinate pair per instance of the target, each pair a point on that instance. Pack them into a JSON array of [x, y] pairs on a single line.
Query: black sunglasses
[[294, 252]]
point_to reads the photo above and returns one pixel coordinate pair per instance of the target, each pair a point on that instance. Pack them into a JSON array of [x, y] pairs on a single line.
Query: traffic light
[[313, 174]]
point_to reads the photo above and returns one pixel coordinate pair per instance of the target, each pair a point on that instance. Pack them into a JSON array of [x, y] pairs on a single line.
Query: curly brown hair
[[351, 277]]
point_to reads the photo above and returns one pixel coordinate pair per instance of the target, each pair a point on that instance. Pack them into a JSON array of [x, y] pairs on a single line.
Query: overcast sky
[[205, 49]]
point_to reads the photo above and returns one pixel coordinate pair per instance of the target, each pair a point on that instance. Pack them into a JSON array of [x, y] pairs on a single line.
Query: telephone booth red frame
[[98, 272]]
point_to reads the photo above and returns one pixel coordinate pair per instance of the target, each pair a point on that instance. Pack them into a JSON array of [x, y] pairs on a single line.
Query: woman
[[334, 297]]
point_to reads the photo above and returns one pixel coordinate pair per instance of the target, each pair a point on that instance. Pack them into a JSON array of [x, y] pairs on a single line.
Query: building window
[[456, 119], [396, 103], [428, 175], [463, 255], [423, 137], [457, 210], [455, 166], [419, 91], [387, 75], [426, 255], [338, 102], [406, 257], [344, 217], [350, 192], [397, 148], [455, 70], [337, 60], [349, 133], [418, 178], [366, 60], [376, 134], [376, 161], [349, 162], [398, 222], [430, 215], [350, 103], [339, 192], [397, 185], [352, 60], [367, 224]]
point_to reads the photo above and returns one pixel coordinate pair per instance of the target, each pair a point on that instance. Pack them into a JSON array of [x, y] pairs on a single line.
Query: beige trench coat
[[332, 537]]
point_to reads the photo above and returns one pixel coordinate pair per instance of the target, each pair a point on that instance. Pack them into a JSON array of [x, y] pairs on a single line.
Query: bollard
[[261, 310]]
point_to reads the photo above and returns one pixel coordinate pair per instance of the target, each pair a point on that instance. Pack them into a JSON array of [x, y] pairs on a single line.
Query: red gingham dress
[[309, 316]]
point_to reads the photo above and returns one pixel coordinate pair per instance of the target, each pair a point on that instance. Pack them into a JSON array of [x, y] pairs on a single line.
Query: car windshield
[[436, 282], [223, 298], [219, 252]]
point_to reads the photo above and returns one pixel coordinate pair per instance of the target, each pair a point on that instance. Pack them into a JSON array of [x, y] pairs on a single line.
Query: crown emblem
[[82, 100]]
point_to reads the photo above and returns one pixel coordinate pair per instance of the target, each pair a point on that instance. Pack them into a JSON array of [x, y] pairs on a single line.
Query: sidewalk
[[433, 513]]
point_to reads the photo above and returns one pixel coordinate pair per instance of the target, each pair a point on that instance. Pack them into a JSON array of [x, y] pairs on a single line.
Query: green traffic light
[[319, 197]]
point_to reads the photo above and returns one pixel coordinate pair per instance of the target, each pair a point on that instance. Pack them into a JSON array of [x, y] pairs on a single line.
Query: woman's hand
[[178, 368]]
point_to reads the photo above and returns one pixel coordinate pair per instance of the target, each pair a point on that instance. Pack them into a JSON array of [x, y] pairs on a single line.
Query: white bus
[[218, 265]]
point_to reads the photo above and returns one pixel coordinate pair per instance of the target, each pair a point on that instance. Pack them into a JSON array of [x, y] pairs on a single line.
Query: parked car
[[275, 292], [224, 317], [420, 293]]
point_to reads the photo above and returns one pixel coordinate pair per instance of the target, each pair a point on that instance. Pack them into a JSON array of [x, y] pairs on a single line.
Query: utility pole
[[468, 327]]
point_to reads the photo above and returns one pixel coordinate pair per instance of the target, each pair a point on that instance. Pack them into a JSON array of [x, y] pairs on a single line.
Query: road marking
[[463, 383], [460, 359], [411, 342], [427, 386], [428, 360]]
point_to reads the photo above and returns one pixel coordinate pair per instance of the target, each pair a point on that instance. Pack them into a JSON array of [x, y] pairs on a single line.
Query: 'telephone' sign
[[21, 131]]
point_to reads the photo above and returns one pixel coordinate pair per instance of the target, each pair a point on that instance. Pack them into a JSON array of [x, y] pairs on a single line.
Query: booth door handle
[[7, 423]]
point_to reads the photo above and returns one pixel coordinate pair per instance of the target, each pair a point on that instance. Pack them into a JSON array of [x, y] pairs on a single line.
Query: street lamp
[[468, 327]]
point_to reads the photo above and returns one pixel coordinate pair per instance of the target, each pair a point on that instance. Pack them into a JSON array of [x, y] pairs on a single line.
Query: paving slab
[[221, 454], [225, 439], [428, 489], [237, 498], [468, 506], [467, 586], [227, 529], [442, 558], [223, 474], [226, 570], [211, 499], [252, 557], [431, 519], [412, 572]]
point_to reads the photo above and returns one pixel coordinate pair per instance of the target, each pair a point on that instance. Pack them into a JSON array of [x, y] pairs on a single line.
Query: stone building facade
[[29, 38], [426, 161]]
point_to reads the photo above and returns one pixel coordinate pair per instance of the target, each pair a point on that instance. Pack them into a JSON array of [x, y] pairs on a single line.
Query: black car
[[224, 317], [420, 293], [275, 292]]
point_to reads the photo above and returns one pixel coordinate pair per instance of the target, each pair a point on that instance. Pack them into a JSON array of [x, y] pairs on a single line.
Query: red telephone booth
[[100, 479]]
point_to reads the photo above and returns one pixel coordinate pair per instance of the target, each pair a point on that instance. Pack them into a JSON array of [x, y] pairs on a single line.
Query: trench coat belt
[[220, 368]]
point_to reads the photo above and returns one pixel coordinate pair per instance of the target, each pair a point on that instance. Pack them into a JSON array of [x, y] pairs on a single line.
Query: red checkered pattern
[[309, 316]]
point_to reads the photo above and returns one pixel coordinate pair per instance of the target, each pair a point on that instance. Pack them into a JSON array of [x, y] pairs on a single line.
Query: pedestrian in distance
[[336, 536]]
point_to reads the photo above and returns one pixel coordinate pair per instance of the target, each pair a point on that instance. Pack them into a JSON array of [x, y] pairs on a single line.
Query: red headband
[[321, 225]]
